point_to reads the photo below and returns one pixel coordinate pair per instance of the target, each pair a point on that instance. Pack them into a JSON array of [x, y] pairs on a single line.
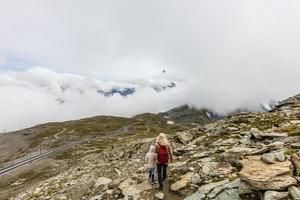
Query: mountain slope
[[186, 114], [246, 156]]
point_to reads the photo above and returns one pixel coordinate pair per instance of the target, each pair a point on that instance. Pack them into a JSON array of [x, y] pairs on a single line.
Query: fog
[[222, 55]]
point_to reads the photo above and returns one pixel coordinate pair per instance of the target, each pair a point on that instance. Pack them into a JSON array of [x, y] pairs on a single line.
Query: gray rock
[[102, 181], [232, 194], [262, 176], [256, 133], [268, 158], [200, 155], [247, 150], [279, 156], [184, 137], [296, 162], [295, 122], [190, 177], [159, 196], [244, 189], [232, 128], [205, 189], [276, 145], [217, 190], [295, 145], [274, 195], [260, 135], [294, 192], [98, 197], [228, 142]]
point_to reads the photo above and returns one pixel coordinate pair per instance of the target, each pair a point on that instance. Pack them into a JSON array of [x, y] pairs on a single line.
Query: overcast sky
[[223, 54]]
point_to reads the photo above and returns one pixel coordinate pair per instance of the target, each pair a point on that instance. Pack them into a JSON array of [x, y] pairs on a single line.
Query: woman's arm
[[170, 152]]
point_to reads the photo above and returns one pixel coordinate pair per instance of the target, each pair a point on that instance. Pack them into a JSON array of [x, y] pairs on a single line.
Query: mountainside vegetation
[[248, 156]]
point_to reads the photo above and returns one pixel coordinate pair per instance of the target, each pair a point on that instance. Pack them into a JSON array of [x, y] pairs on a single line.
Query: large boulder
[[268, 158], [296, 162], [220, 169], [102, 181], [262, 176], [217, 191], [257, 134], [184, 137], [275, 195], [294, 192], [247, 150], [185, 179], [131, 189], [276, 145], [296, 145]]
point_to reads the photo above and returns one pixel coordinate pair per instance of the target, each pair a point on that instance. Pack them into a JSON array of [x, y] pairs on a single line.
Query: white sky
[[230, 53]]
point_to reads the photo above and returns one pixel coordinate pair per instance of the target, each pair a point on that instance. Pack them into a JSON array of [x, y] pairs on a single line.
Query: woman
[[164, 156]]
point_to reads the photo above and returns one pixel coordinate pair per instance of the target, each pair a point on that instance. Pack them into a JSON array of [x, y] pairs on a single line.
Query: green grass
[[292, 130], [289, 151], [261, 122]]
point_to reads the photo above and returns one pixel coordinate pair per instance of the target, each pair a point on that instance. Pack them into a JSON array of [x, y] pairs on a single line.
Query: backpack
[[163, 154]]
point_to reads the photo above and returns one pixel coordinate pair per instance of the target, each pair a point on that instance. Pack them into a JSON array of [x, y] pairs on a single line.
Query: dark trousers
[[162, 174]]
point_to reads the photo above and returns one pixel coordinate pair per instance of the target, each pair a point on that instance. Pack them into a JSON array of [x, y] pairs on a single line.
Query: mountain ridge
[[215, 161]]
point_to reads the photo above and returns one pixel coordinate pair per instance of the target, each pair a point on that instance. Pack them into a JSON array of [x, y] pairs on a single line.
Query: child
[[151, 158]]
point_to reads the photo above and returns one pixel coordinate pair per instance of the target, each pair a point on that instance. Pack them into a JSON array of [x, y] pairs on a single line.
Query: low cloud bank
[[40, 95]]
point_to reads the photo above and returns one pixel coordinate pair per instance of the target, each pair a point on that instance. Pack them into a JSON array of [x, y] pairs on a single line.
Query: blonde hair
[[162, 139], [152, 149]]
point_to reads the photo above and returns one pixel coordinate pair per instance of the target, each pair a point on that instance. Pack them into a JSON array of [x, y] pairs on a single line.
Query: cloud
[[40, 95], [225, 55]]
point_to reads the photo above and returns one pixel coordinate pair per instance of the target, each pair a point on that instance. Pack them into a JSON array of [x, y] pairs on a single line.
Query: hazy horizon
[[221, 55]]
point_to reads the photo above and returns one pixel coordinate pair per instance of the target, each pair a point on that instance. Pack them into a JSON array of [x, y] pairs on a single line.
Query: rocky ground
[[246, 156]]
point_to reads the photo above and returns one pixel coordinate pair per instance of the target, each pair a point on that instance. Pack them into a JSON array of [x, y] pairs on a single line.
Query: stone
[[80, 186], [220, 169], [18, 182], [276, 145], [275, 195], [268, 158], [274, 135], [292, 139], [231, 194], [262, 176], [232, 128], [130, 188], [296, 122], [102, 181], [170, 122], [247, 150], [200, 155], [228, 142], [184, 137], [256, 133], [205, 190], [217, 190], [279, 156], [294, 192], [159, 196], [61, 197], [244, 189], [189, 177], [177, 164], [261, 135], [110, 192], [296, 162], [296, 145]]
